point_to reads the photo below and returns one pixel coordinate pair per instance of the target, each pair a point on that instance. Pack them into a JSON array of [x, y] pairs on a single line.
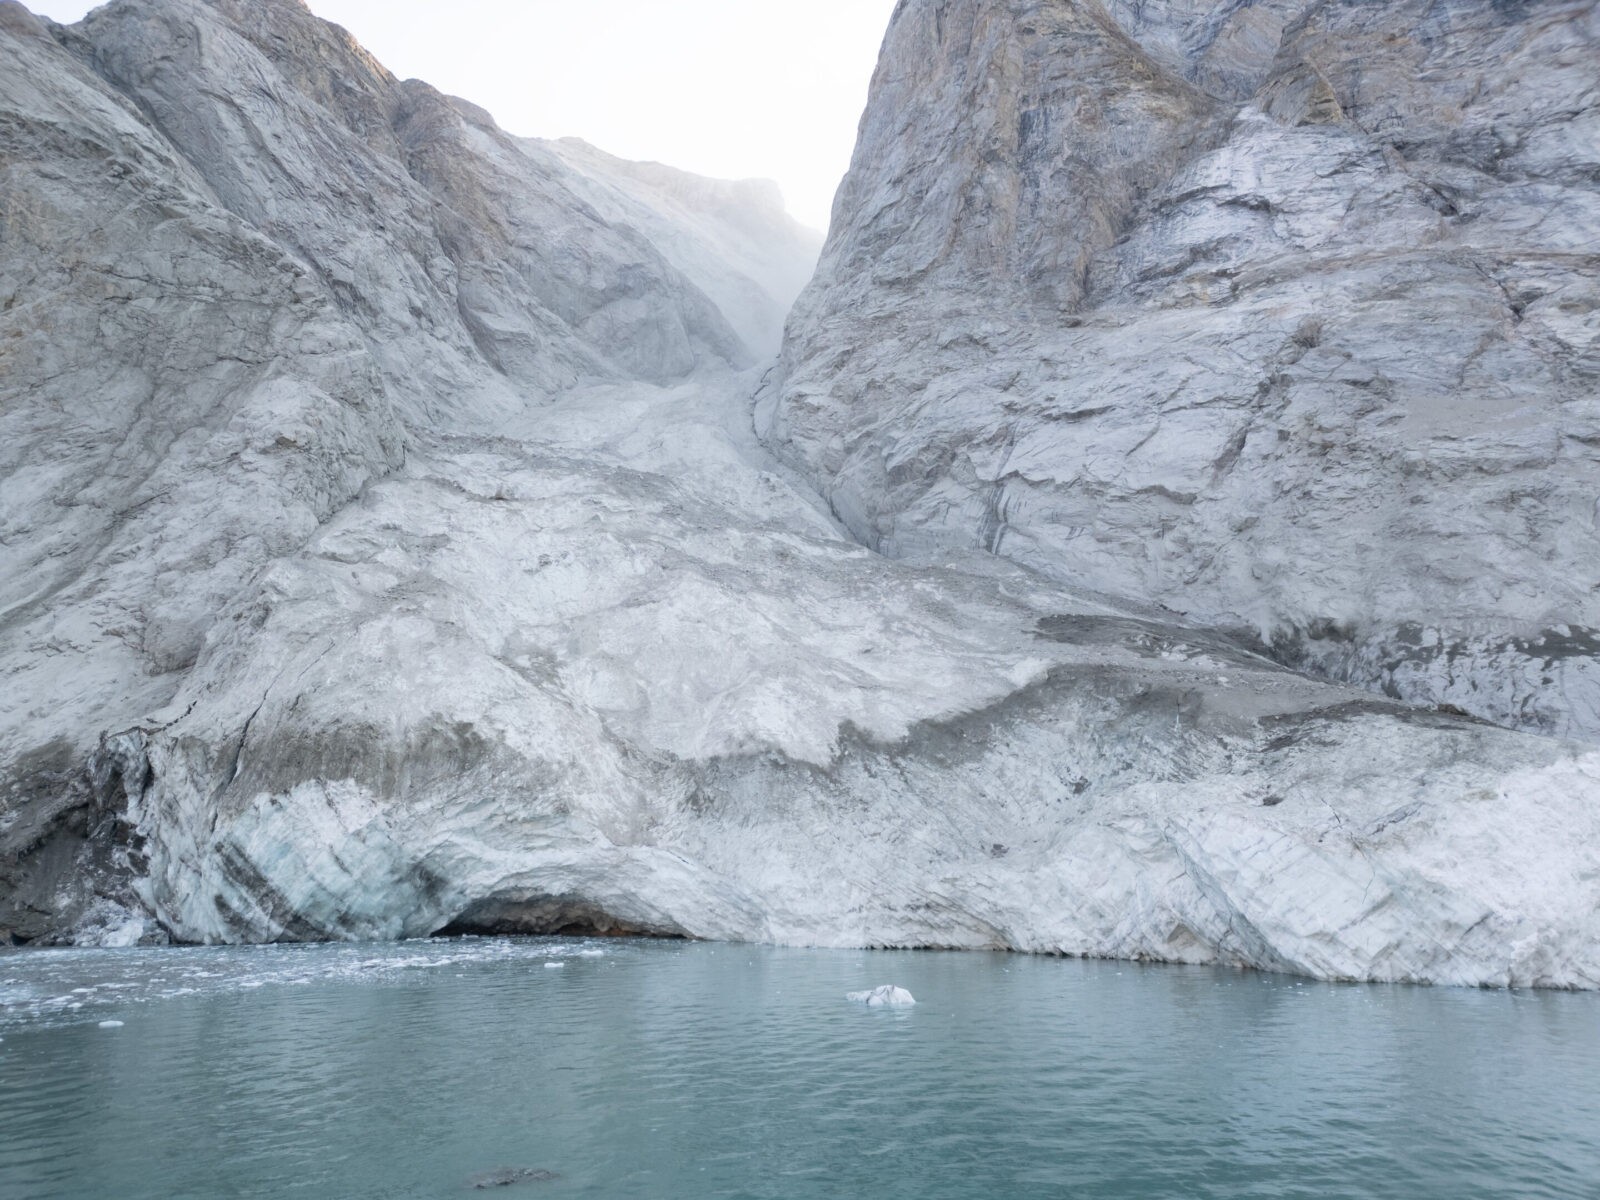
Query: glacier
[[410, 528]]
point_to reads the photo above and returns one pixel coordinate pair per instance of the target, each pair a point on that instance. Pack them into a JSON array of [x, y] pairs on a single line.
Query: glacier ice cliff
[[392, 544]]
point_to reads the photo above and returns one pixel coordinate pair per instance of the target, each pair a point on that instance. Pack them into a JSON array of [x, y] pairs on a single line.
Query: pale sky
[[731, 88]]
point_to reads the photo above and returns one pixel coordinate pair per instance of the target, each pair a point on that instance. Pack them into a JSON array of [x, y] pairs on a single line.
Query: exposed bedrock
[[241, 266], [1282, 315]]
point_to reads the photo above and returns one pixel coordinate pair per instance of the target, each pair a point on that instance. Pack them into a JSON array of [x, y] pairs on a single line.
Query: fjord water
[[669, 1070]]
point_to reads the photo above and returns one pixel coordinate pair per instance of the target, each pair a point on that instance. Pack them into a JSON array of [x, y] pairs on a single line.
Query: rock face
[[242, 268], [1280, 314], [732, 239], [391, 550]]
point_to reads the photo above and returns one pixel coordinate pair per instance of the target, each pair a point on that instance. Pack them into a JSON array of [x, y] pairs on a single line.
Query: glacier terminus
[[1161, 522]]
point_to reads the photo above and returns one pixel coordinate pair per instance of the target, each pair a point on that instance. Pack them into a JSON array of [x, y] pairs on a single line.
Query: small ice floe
[[554, 966], [887, 996], [591, 953], [110, 1024]]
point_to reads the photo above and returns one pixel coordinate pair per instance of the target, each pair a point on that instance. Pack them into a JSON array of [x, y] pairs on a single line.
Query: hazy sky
[[732, 88]]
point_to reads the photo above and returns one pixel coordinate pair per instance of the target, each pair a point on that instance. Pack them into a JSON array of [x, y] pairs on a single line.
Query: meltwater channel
[[667, 1070]]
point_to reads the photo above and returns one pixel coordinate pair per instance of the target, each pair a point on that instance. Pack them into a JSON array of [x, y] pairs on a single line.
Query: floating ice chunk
[[109, 926], [554, 966], [887, 996], [591, 953], [110, 1024], [121, 936]]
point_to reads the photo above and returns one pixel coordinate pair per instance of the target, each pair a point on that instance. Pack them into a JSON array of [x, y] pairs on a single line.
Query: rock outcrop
[[391, 551], [242, 270], [1280, 314], [732, 239]]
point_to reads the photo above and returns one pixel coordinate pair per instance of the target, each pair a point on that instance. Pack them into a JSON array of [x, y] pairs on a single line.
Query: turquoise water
[[680, 1070]]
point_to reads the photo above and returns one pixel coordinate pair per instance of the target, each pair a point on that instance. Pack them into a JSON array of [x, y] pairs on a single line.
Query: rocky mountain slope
[[243, 271], [391, 552], [732, 239], [1281, 314]]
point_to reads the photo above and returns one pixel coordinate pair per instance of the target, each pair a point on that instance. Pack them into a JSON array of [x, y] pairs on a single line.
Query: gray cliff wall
[[242, 270], [1282, 315]]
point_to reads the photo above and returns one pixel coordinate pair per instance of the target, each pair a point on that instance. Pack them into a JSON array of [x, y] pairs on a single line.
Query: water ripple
[[666, 1070]]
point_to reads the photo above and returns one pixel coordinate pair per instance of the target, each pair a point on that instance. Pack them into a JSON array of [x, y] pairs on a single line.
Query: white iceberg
[[887, 996], [110, 1024], [554, 966]]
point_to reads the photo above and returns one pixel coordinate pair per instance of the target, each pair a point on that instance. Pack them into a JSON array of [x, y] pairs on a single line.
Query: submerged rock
[[510, 1177]]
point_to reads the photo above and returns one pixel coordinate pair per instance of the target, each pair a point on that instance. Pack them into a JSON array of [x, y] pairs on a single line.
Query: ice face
[[389, 565]]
